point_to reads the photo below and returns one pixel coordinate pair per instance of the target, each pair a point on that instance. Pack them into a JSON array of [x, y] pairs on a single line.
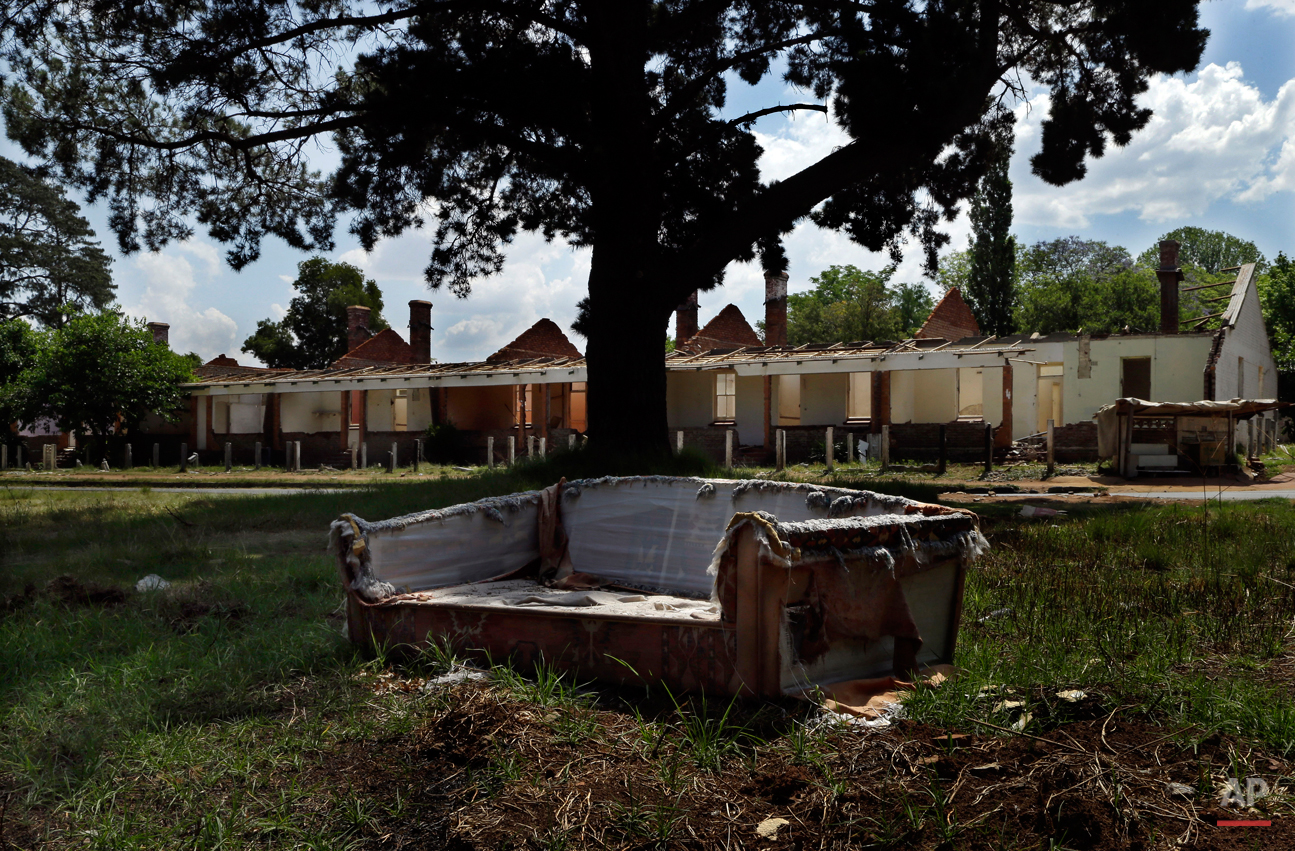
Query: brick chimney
[[685, 321], [775, 309], [1170, 275], [420, 330], [357, 326], [161, 332]]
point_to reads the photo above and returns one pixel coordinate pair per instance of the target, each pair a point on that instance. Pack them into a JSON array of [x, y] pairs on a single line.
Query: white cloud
[[1281, 7], [170, 290], [1211, 138], [806, 138], [539, 280]]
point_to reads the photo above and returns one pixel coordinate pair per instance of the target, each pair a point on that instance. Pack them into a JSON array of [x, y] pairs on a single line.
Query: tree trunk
[[626, 329]]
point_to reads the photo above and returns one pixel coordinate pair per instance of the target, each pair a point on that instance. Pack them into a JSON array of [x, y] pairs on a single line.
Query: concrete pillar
[[543, 446], [678, 442], [256, 451], [4, 457], [728, 448], [780, 450], [184, 457], [512, 450], [885, 446], [830, 448], [364, 455], [989, 448], [229, 457], [530, 446], [571, 440], [354, 457], [157, 455], [942, 461], [296, 456], [394, 458], [418, 454], [129, 459], [1052, 449], [849, 448], [490, 452]]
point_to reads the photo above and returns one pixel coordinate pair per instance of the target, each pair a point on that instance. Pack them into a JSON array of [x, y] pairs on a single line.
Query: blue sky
[[1219, 154]]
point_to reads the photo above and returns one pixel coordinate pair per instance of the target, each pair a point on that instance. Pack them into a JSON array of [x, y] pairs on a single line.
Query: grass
[[229, 712]]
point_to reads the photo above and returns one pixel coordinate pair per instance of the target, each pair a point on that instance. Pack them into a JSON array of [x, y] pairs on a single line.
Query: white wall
[[690, 399], [1247, 339], [750, 410], [992, 392], [934, 398], [311, 413], [823, 398], [1025, 383], [377, 411], [901, 395], [1177, 371]]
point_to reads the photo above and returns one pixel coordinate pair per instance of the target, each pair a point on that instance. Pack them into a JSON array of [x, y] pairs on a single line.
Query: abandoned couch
[[717, 586]]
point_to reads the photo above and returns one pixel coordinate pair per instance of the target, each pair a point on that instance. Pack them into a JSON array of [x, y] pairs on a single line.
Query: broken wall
[[1177, 364]]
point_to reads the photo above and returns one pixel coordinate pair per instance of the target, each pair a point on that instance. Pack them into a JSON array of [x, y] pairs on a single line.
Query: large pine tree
[[603, 122]]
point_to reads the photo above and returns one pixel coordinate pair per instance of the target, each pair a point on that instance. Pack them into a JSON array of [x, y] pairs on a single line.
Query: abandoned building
[[385, 391], [963, 381]]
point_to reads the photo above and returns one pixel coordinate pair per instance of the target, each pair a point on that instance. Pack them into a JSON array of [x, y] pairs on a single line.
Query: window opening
[[725, 397]]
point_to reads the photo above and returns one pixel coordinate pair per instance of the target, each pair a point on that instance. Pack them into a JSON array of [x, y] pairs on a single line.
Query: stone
[[768, 829], [1179, 790], [152, 582]]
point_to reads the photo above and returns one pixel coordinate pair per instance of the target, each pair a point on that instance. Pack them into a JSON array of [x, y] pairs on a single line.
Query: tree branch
[[696, 86], [760, 113]]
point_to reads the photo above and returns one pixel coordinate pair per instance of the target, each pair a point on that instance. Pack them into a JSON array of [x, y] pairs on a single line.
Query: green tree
[[1277, 295], [846, 305], [1073, 285], [103, 373], [48, 257], [990, 289], [954, 269], [1211, 250], [19, 344], [603, 123], [915, 304], [312, 334]]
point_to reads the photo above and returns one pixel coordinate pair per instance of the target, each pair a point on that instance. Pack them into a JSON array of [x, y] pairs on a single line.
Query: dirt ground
[[1094, 781]]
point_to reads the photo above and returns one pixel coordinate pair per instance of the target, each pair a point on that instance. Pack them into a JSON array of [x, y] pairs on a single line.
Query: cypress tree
[[991, 282]]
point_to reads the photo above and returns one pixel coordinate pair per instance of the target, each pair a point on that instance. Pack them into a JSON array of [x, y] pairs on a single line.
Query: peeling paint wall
[[1177, 361]]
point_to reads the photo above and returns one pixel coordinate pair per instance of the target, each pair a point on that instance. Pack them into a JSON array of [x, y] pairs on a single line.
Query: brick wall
[[965, 441], [1075, 442]]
